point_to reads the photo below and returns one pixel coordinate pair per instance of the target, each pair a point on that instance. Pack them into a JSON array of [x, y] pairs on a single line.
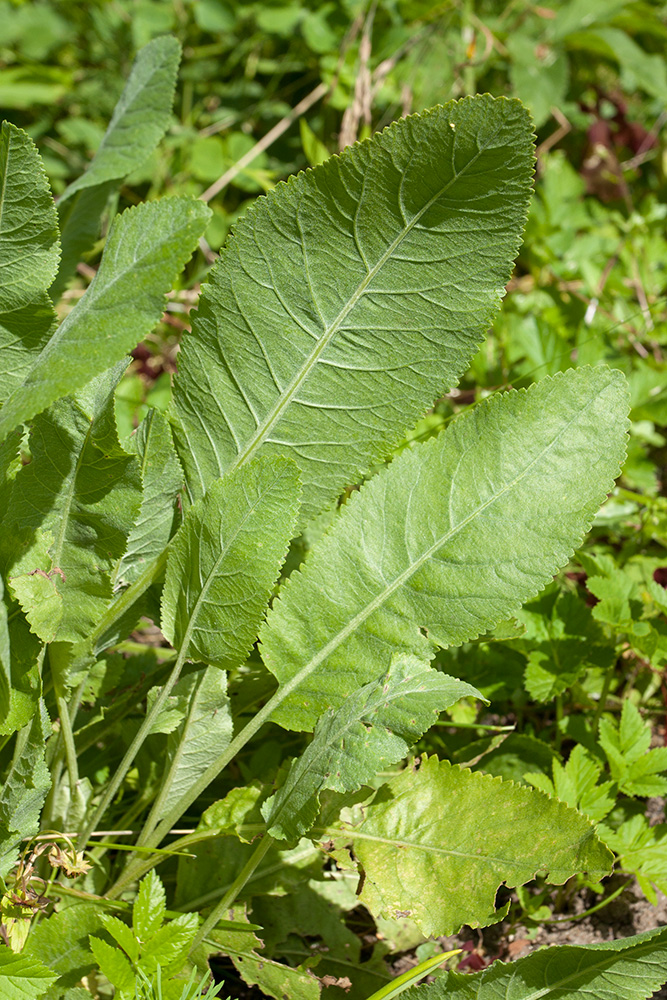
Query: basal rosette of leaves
[[347, 301]]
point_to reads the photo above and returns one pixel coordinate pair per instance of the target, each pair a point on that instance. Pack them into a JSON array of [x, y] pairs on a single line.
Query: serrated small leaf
[[122, 934], [225, 558], [430, 552], [633, 968], [113, 964], [149, 907], [23, 978], [61, 942], [373, 729], [169, 946], [419, 225], [117, 311], [438, 842]]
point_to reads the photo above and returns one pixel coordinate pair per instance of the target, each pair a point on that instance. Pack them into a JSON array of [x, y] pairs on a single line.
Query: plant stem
[[229, 897], [134, 748], [603, 698], [70, 748], [587, 913]]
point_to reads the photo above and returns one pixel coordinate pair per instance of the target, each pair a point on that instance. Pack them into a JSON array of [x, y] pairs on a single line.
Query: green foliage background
[[580, 677]]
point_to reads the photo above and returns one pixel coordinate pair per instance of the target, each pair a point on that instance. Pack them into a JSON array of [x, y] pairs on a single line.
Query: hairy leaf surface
[[140, 117], [29, 242], [633, 968], [449, 540], [352, 296], [146, 249], [374, 728], [29, 253], [225, 558], [72, 510], [438, 841]]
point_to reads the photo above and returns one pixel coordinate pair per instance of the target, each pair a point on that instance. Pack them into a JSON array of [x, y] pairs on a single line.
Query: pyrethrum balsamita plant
[[345, 302]]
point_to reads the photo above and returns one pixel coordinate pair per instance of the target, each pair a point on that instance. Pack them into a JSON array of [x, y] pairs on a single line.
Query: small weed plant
[[327, 587]]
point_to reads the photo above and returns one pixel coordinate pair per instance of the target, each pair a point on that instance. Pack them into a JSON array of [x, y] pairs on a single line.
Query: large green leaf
[[61, 942], [72, 510], [29, 245], [352, 296], [24, 790], [449, 540], [23, 978], [139, 121], [374, 728], [29, 253], [225, 558], [146, 249], [162, 479], [439, 841], [633, 968]]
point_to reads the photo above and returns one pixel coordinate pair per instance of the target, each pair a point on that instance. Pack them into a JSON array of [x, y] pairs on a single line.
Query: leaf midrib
[[287, 396]]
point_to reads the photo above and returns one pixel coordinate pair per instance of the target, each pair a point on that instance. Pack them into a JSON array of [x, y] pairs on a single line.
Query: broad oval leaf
[[352, 296], [225, 558], [633, 968], [438, 841], [451, 539], [155, 240]]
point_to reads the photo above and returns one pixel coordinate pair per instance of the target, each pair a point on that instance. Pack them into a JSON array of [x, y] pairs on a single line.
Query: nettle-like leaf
[[139, 121], [636, 769], [29, 253], [23, 978], [352, 296], [632, 968], [375, 727], [438, 841], [162, 479], [576, 783], [449, 540], [72, 510], [25, 788], [224, 560], [154, 239]]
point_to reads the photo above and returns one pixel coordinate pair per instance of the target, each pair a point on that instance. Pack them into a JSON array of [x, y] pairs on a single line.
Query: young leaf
[[29, 242], [633, 968], [374, 728], [352, 296], [431, 551], [24, 791], [162, 478], [139, 121], [149, 907], [576, 784], [113, 964], [156, 239], [122, 934], [642, 851], [72, 510], [225, 558], [438, 842], [23, 978], [169, 946], [636, 769]]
